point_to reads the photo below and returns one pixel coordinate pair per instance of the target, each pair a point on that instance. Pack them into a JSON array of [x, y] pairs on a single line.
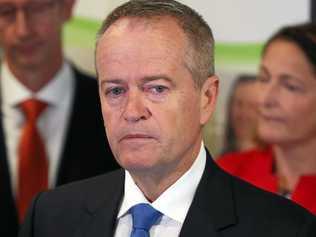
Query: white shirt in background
[[52, 123]]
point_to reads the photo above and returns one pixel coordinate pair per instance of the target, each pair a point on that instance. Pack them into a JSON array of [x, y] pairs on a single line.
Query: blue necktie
[[144, 216]]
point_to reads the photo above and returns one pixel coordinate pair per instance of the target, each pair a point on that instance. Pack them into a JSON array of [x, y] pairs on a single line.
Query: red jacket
[[256, 167]]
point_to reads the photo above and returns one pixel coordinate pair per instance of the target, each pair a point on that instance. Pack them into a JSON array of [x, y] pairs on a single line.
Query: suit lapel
[[212, 208], [72, 146], [85, 150], [99, 219], [8, 215]]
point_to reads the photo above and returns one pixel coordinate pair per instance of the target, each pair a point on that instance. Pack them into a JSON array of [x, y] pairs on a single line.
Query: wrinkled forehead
[[159, 32], [140, 44], [142, 24]]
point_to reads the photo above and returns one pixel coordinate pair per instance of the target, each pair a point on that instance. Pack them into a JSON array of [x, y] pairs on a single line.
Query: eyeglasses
[[32, 10]]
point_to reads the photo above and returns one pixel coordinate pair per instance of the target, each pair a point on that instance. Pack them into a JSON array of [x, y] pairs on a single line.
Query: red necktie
[[33, 164]]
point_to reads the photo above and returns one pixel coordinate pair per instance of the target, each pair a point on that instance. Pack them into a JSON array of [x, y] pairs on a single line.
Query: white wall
[[95, 9], [231, 20]]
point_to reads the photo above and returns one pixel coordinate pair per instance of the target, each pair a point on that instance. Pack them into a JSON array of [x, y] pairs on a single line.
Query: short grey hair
[[200, 55]]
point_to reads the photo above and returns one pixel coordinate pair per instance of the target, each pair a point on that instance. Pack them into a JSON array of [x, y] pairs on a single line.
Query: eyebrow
[[6, 4], [263, 69], [157, 77], [283, 76], [143, 79], [289, 77], [114, 81]]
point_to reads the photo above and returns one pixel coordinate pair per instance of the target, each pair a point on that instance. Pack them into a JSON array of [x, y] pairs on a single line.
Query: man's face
[[30, 30], [152, 111]]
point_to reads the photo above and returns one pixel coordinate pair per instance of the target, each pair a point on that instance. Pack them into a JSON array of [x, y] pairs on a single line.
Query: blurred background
[[240, 27]]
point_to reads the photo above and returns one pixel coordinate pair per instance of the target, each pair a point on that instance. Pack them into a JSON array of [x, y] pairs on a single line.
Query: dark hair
[[230, 140], [199, 56], [303, 35]]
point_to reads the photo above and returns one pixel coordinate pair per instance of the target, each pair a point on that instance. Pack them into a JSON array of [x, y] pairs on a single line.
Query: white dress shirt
[[173, 203], [52, 123]]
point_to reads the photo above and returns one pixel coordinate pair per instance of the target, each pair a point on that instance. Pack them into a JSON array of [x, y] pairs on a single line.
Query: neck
[[36, 77], [294, 161], [247, 145], [154, 182]]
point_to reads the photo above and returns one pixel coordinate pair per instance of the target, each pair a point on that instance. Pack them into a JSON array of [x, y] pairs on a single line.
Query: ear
[[67, 9], [209, 93]]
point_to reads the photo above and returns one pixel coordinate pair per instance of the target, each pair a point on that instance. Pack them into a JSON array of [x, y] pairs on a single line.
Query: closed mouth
[[272, 118], [136, 136], [27, 46]]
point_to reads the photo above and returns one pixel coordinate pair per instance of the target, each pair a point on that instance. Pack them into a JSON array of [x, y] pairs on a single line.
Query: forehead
[[285, 55], [155, 29], [246, 90], [132, 41]]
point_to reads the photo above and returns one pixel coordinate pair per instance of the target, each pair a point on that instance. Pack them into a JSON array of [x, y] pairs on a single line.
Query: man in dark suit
[[70, 127], [158, 88]]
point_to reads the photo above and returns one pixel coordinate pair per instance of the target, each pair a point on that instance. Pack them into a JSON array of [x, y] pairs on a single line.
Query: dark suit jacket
[[85, 153], [223, 206]]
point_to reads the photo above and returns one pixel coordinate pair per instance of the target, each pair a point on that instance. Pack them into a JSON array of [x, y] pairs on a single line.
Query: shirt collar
[[170, 203], [14, 92]]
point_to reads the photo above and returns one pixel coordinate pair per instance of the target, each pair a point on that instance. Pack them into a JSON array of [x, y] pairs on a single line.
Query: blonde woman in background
[[242, 116]]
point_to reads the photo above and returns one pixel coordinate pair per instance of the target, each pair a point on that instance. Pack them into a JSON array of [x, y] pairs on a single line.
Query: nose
[[135, 109], [22, 25], [269, 95]]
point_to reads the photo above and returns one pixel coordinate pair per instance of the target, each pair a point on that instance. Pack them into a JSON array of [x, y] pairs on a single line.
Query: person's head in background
[[157, 87], [31, 38], [287, 83], [287, 111], [242, 115]]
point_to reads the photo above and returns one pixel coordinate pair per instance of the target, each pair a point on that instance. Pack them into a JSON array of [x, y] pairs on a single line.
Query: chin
[[29, 62], [136, 160], [273, 137]]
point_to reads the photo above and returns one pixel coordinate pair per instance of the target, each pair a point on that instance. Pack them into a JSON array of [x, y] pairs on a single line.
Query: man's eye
[[115, 91], [262, 79], [158, 89], [7, 11]]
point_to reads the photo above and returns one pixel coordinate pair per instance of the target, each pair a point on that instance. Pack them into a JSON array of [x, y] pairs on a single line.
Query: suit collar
[[213, 206], [101, 206], [76, 147], [109, 191], [58, 90], [8, 215]]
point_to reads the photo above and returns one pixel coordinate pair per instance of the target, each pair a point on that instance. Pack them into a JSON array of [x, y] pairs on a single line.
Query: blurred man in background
[[51, 129]]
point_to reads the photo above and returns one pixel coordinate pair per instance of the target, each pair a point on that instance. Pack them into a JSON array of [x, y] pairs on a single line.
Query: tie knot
[[32, 108], [144, 216]]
